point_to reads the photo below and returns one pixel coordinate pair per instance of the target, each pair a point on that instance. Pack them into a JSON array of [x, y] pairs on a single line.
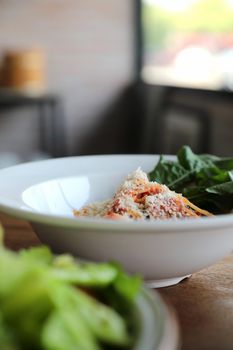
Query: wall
[[89, 48]]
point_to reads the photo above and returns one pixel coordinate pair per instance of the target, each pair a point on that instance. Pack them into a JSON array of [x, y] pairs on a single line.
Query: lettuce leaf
[[52, 302]]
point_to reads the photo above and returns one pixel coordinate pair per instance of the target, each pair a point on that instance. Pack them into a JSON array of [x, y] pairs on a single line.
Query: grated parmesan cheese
[[140, 199]]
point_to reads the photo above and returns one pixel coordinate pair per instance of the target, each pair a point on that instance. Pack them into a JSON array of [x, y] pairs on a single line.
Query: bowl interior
[[56, 186], [62, 195]]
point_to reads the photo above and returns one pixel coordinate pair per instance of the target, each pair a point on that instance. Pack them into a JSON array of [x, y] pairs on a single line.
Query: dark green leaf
[[191, 161], [220, 204], [211, 175], [209, 158], [225, 163], [170, 173], [225, 189], [127, 286], [205, 179]]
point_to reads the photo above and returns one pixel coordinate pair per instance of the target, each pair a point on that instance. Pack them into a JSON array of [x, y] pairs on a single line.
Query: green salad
[[206, 180], [52, 302]]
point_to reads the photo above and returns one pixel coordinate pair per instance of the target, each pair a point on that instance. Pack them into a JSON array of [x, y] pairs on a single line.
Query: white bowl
[[156, 323], [163, 252]]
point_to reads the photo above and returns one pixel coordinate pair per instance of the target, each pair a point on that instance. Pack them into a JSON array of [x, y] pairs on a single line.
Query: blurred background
[[126, 76], [191, 44]]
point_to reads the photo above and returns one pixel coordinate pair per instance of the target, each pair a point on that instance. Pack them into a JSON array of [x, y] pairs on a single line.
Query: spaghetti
[[141, 199]]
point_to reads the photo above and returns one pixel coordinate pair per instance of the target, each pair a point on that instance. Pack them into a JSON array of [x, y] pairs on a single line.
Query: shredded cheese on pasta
[[141, 199]]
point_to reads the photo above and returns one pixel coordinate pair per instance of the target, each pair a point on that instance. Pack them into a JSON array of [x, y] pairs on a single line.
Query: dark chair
[[159, 102]]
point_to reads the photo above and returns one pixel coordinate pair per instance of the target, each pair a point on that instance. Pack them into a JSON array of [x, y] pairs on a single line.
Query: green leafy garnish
[[205, 179], [52, 302]]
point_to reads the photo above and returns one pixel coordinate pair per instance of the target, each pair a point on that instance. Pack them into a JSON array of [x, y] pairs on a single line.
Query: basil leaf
[[209, 158], [225, 163], [220, 204], [222, 189], [191, 161], [212, 176], [205, 179], [170, 173], [230, 174]]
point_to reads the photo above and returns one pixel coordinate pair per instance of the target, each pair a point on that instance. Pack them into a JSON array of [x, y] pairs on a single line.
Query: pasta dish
[[140, 199]]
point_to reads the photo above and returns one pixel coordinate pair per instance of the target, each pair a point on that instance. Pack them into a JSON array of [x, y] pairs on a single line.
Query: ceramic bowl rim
[[100, 224]]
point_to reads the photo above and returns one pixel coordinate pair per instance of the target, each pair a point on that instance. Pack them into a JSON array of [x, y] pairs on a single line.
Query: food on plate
[[206, 180], [190, 186], [141, 199], [52, 302]]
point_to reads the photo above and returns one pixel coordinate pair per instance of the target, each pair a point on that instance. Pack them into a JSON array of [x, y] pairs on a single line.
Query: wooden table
[[203, 303]]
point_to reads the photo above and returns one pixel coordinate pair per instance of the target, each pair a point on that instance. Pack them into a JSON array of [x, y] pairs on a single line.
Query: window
[[188, 43]]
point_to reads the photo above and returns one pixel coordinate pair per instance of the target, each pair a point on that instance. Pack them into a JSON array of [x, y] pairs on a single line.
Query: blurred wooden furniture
[[50, 118], [23, 70], [158, 100], [203, 303]]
